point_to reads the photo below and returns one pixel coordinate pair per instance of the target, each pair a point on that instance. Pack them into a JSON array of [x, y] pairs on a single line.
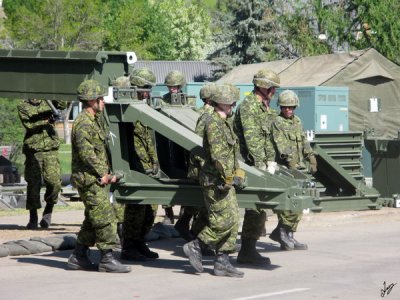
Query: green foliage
[[56, 24], [244, 34], [376, 24], [64, 154], [11, 130], [297, 35]]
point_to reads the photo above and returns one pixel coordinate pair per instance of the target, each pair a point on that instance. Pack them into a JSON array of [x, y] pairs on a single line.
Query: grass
[[64, 154], [22, 211]]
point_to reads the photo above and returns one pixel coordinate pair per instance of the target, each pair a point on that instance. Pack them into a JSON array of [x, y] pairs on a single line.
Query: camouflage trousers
[[289, 219], [253, 224], [138, 220], [223, 219], [100, 224], [40, 165], [199, 215]]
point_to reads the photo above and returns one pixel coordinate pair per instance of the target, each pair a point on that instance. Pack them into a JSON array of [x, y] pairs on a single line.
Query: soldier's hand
[[292, 164], [113, 179], [313, 164], [156, 170], [261, 166], [224, 187], [239, 179], [103, 180]]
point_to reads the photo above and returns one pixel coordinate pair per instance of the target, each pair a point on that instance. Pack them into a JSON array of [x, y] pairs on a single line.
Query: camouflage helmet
[[266, 79], [122, 82], [91, 89], [225, 94], [235, 92], [175, 78], [142, 77], [207, 90], [288, 98]]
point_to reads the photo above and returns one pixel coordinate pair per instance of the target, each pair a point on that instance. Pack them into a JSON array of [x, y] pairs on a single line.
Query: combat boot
[[193, 252], [182, 226], [297, 244], [143, 249], [33, 220], [129, 251], [248, 254], [223, 267], [79, 259], [206, 250], [46, 219], [108, 263], [279, 235]]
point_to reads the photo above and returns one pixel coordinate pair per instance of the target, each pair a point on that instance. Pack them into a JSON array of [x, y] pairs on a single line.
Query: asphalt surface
[[352, 255]]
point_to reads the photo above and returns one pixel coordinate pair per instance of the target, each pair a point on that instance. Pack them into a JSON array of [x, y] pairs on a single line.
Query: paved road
[[351, 255]]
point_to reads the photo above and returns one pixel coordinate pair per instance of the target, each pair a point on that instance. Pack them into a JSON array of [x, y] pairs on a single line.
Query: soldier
[[90, 175], [292, 148], [252, 123], [217, 177], [175, 81], [40, 147], [138, 218], [188, 212]]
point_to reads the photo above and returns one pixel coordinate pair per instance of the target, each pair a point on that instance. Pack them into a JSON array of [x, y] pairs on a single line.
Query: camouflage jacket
[[145, 153], [40, 134], [196, 160], [252, 125], [204, 112], [221, 151], [290, 141], [89, 150]]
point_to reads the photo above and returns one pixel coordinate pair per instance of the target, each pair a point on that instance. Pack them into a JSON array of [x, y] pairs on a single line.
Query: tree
[[244, 34], [376, 24], [176, 31], [55, 24], [299, 26]]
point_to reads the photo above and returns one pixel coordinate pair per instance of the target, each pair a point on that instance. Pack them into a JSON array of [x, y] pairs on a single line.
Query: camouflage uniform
[[217, 176], [201, 214], [292, 148], [40, 147], [90, 162], [173, 78], [90, 175], [221, 150], [252, 125], [139, 218]]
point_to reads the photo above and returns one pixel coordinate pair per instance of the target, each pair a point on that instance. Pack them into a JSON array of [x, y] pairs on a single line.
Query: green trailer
[[55, 75]]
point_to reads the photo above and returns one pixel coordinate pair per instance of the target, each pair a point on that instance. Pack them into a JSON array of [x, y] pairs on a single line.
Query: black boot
[[79, 259], [129, 251], [182, 226], [33, 219], [120, 229], [297, 244], [206, 250], [46, 219], [279, 235], [193, 252], [248, 254], [143, 249], [109, 263], [223, 267]]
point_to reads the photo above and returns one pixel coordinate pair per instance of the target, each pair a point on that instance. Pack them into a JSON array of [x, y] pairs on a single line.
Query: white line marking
[[273, 294]]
